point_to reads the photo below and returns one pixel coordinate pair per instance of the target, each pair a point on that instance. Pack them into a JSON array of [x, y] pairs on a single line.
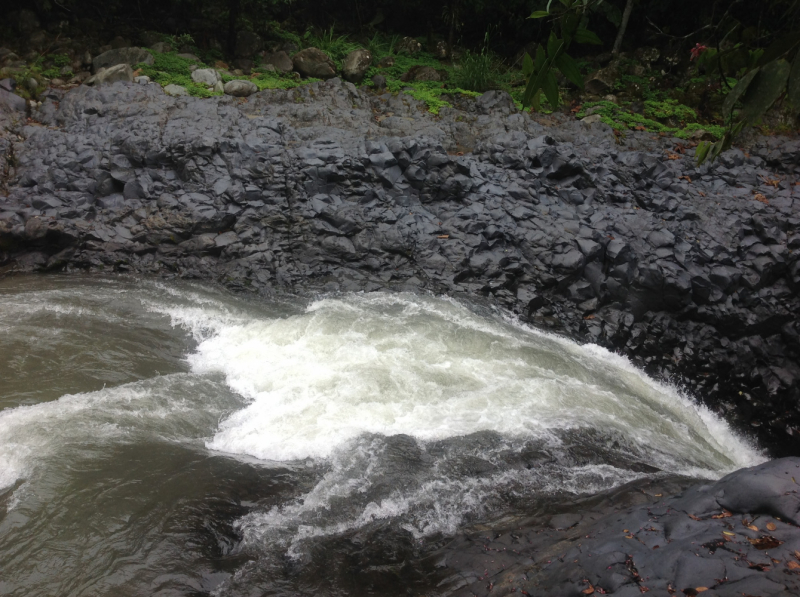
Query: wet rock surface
[[735, 537], [692, 273]]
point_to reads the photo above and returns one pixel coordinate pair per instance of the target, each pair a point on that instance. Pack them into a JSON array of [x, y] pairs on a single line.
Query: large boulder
[[280, 60], [240, 88], [114, 74], [129, 56], [313, 62], [248, 44], [206, 76], [602, 81], [421, 73], [11, 101], [356, 64]]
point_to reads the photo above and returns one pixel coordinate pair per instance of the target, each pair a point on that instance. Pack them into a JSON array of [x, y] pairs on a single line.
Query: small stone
[[591, 119], [239, 88], [219, 87], [175, 90], [379, 81], [408, 45], [142, 80]]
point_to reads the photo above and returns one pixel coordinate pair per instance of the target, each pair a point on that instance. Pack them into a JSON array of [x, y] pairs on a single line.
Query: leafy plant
[[337, 47], [477, 72], [539, 70]]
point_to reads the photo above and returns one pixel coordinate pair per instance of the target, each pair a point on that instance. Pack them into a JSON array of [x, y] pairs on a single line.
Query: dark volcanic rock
[[326, 186], [733, 537]]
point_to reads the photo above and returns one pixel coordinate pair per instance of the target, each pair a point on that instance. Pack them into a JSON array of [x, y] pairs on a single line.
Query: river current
[[170, 438]]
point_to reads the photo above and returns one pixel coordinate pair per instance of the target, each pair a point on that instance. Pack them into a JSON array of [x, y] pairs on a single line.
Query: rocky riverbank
[[735, 537], [692, 273]]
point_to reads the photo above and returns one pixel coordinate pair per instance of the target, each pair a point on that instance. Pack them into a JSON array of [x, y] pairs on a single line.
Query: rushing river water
[[163, 438]]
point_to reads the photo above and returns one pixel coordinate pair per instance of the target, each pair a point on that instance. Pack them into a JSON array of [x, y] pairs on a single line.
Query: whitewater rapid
[[418, 411]]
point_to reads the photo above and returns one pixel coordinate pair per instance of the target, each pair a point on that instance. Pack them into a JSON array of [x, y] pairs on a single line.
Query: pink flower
[[697, 50]]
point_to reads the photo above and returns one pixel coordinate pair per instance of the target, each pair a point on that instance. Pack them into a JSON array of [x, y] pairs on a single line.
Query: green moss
[[619, 118], [171, 69], [669, 109], [273, 80]]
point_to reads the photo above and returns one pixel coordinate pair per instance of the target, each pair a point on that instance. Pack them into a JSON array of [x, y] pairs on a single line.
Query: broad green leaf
[[553, 46], [541, 58], [779, 47], [550, 88], [584, 36], [569, 69], [794, 84], [702, 152], [737, 92], [765, 89], [527, 65], [539, 14]]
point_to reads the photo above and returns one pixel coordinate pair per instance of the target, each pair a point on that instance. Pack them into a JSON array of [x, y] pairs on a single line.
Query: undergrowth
[[621, 118]]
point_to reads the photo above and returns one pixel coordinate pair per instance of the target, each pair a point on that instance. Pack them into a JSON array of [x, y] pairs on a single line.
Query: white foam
[[403, 364]]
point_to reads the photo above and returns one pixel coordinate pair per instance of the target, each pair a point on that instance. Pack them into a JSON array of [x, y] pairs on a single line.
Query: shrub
[[477, 72]]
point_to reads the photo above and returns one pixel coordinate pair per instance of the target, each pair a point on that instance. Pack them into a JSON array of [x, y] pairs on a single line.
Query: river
[[172, 438]]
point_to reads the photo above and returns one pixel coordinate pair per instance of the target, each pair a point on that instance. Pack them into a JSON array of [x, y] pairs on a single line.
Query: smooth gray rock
[[280, 60], [129, 56], [175, 90], [206, 76], [355, 65], [238, 88], [114, 74], [313, 62]]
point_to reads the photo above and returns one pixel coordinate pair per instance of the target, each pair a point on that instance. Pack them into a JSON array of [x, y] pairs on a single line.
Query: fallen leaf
[[765, 542], [792, 565], [589, 317], [629, 536], [760, 567], [673, 156], [588, 591], [443, 236], [752, 527], [771, 526], [701, 589], [725, 514], [659, 494], [701, 193], [640, 128], [774, 561], [693, 517], [761, 198], [797, 554], [729, 533], [686, 178]]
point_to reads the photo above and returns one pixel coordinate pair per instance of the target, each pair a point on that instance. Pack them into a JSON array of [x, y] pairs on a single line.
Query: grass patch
[[170, 69], [620, 118]]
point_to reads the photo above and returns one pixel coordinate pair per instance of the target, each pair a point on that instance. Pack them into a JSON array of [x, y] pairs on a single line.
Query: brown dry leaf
[[774, 561], [589, 317], [673, 156], [640, 128], [701, 589], [629, 536], [792, 565], [725, 514], [686, 178], [658, 494], [797, 554], [625, 531], [701, 193], [771, 526], [445, 236], [588, 591], [765, 542], [693, 517], [728, 533], [752, 527], [761, 198]]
